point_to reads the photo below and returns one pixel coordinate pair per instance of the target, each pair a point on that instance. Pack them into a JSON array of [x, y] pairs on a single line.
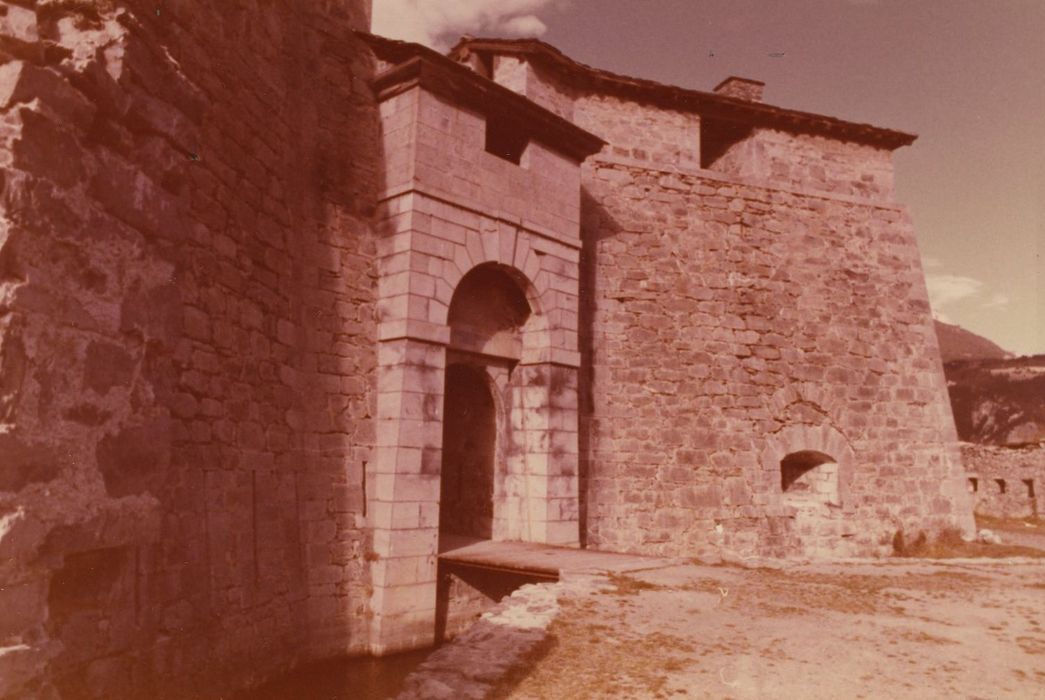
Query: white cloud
[[946, 292], [997, 301], [438, 23], [524, 25]]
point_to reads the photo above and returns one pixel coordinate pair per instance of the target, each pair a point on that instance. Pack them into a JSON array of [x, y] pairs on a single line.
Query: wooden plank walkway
[[541, 559]]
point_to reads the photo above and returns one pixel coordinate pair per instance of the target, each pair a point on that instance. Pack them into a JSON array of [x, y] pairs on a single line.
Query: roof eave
[[706, 103], [419, 66]]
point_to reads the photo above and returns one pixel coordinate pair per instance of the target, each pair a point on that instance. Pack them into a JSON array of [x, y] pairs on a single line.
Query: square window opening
[[717, 137], [505, 140]]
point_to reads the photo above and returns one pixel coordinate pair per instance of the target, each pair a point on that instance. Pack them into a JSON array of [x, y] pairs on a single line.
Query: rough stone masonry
[[273, 290]]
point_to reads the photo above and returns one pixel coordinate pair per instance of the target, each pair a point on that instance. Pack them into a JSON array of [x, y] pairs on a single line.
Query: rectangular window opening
[[1001, 485], [974, 485], [1030, 487], [505, 139]]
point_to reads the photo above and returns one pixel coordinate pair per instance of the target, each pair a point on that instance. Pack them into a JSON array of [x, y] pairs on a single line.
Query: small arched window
[[809, 476]]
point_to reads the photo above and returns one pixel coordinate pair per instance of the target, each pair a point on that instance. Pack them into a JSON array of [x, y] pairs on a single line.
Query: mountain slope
[[998, 402], [956, 343]]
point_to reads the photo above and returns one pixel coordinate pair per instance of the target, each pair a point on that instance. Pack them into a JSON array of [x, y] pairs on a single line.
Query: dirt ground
[[893, 628]]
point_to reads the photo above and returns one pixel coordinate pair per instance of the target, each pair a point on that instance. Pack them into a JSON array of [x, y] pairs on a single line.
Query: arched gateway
[[478, 353], [484, 492]]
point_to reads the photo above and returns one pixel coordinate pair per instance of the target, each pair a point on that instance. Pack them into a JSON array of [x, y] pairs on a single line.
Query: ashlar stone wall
[[456, 216], [186, 332]]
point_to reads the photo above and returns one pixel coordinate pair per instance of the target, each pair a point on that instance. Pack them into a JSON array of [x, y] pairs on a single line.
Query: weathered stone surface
[[744, 300], [1006, 482], [233, 279], [503, 640], [184, 480]]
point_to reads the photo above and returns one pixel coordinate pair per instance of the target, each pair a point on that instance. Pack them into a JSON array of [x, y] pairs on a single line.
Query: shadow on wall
[[189, 201], [596, 225], [465, 592]]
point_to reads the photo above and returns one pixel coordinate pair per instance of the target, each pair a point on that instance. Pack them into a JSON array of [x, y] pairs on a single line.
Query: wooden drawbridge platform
[[540, 561]]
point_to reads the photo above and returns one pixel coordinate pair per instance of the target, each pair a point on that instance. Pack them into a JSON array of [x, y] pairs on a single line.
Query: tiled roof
[[669, 96]]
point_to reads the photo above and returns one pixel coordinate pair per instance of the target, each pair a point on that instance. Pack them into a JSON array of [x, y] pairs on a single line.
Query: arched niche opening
[[809, 476], [489, 313]]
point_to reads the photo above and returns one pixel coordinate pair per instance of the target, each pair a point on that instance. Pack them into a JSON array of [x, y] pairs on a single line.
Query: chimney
[[741, 88]]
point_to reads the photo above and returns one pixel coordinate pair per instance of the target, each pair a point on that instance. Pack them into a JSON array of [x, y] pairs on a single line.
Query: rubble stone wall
[[809, 162], [186, 334], [535, 82], [733, 324], [636, 130], [641, 132], [770, 307], [1020, 469]]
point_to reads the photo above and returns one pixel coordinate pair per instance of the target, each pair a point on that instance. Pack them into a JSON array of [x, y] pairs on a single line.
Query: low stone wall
[[1005, 482]]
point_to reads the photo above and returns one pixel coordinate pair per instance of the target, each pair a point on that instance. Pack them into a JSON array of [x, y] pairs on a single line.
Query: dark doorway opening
[[469, 444]]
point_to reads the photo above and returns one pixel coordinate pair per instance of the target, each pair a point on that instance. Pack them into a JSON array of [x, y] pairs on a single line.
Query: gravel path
[[891, 628]]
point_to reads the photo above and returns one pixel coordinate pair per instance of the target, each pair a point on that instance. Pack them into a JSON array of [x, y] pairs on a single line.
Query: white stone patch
[[8, 522]]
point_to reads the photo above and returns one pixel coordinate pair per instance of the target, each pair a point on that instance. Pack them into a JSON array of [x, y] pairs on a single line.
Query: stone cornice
[[418, 66]]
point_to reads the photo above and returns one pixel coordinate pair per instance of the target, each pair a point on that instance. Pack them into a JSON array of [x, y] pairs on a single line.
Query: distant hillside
[[998, 401], [956, 343]]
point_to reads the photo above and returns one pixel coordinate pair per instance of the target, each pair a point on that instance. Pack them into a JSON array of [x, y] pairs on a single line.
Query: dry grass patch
[[1034, 525], [627, 585], [920, 637], [600, 661], [949, 545], [790, 593]]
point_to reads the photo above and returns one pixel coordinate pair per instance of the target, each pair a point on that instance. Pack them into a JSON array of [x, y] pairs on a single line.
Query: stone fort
[[286, 307]]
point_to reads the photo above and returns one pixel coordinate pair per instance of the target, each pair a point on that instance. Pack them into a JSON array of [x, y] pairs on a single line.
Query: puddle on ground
[[356, 678]]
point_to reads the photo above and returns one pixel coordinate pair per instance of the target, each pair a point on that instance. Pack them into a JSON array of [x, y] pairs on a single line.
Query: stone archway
[[492, 325], [512, 325], [808, 470]]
